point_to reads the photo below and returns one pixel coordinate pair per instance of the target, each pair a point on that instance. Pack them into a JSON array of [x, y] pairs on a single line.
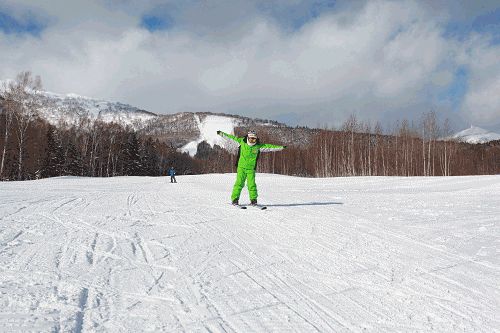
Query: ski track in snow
[[131, 254]]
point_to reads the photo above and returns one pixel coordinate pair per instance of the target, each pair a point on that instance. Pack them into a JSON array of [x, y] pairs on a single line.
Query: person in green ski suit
[[248, 154]]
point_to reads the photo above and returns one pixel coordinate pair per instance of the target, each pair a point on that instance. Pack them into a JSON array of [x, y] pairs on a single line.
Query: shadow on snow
[[306, 204]]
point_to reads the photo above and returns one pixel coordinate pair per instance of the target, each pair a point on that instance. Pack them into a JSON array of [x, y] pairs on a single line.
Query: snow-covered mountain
[[183, 130], [476, 135], [195, 128], [352, 254], [186, 130], [71, 108]]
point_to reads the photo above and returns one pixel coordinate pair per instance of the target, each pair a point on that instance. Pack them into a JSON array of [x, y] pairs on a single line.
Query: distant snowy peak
[[476, 135], [71, 108]]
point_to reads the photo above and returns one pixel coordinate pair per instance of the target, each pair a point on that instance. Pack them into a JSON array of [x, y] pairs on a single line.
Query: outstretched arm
[[267, 147], [229, 136]]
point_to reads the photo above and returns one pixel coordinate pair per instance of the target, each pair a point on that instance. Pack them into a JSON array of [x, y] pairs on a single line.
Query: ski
[[260, 207]]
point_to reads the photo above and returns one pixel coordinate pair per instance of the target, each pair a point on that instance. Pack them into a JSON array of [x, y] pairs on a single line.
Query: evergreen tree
[[54, 155], [73, 161], [204, 151], [131, 157], [149, 159]]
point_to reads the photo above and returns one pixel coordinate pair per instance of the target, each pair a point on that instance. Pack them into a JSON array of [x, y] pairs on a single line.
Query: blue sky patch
[[486, 24], [489, 23], [156, 23], [30, 25], [456, 91], [294, 17]]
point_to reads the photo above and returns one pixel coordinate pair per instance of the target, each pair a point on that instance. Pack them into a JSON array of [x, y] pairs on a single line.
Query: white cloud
[[442, 78], [381, 61], [482, 101]]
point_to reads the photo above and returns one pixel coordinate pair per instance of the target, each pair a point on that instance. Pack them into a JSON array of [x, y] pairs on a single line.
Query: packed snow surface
[[476, 135], [133, 254]]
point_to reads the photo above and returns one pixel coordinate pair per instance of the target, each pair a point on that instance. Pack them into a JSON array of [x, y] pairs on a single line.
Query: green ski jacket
[[250, 154]]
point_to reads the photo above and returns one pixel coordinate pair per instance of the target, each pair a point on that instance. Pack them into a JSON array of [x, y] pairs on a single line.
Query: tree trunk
[[5, 142]]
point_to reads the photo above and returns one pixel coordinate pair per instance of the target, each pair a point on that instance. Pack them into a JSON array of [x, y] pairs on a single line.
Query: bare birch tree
[[8, 116], [445, 158], [24, 102]]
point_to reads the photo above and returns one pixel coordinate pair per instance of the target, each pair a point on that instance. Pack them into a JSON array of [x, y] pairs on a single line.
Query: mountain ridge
[[184, 130], [476, 135]]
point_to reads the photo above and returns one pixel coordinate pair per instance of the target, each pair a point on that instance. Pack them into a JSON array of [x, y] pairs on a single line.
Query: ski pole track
[[5, 217], [20, 206]]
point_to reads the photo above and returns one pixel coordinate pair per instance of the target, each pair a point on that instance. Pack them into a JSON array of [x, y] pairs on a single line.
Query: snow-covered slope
[[208, 131], [329, 255], [476, 135]]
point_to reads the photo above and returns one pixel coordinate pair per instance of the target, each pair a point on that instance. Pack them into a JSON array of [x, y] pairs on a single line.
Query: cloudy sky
[[302, 62]]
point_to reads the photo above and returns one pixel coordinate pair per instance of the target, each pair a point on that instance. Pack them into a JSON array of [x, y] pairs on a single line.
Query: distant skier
[[248, 154], [171, 173]]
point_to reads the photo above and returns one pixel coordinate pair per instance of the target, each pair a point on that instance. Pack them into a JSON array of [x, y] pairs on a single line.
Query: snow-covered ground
[[132, 254]]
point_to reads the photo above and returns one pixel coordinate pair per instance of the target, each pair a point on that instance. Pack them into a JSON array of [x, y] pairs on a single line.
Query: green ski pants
[[241, 176]]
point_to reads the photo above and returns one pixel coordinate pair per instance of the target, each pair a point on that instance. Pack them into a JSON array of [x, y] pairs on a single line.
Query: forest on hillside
[[31, 148]]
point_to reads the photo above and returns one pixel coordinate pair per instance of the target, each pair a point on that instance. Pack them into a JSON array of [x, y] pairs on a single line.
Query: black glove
[[219, 132], [284, 147]]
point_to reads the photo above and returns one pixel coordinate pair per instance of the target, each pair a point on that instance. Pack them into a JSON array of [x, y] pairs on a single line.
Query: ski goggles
[[252, 139]]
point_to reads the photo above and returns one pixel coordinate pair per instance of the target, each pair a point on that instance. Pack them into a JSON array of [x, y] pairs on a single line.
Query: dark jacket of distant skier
[[250, 148], [171, 173]]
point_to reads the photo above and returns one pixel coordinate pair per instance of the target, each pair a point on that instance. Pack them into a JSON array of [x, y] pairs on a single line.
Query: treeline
[[93, 149], [31, 148], [356, 149], [409, 149]]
